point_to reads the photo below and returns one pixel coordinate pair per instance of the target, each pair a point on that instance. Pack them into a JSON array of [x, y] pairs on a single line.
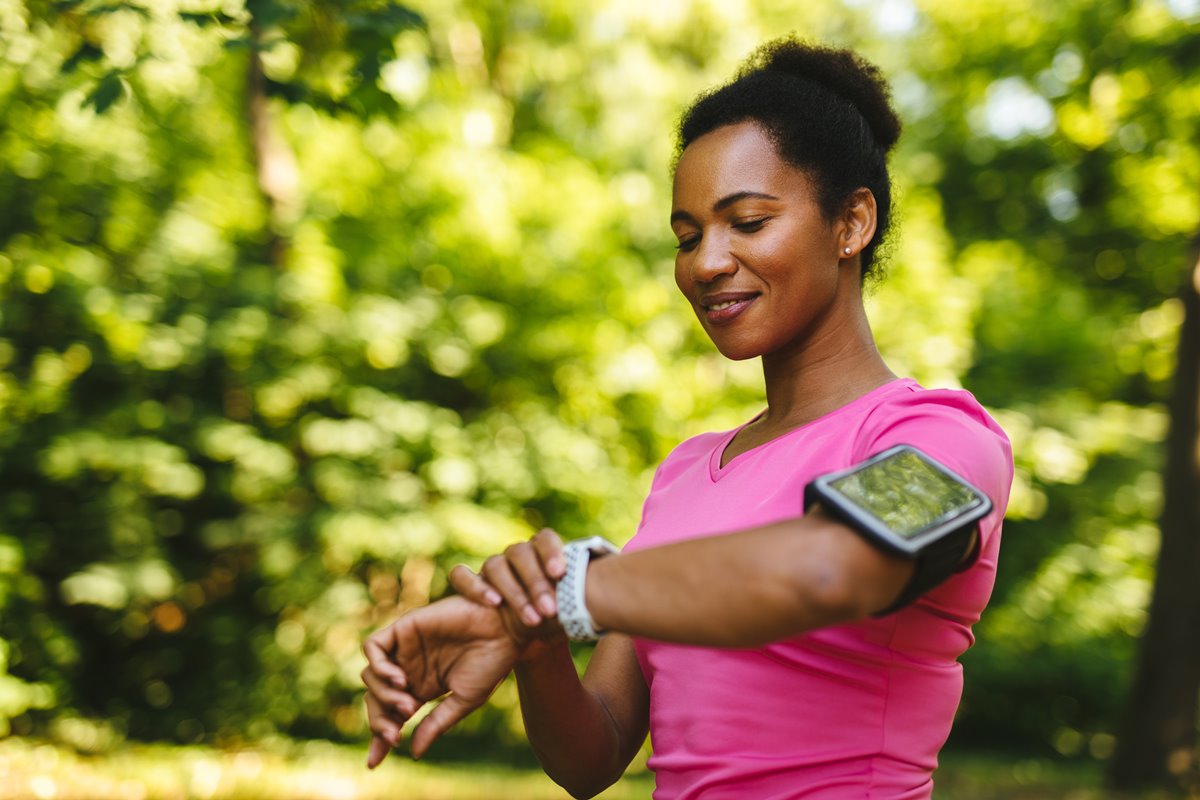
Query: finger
[[382, 724], [549, 548], [385, 732], [473, 587], [384, 691], [378, 649], [382, 720], [444, 717], [377, 752], [499, 573], [527, 563]]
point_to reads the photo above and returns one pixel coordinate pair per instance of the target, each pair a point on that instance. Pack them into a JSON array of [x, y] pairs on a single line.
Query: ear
[[856, 224]]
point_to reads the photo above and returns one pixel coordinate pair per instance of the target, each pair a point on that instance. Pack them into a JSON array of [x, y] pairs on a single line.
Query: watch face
[[906, 493]]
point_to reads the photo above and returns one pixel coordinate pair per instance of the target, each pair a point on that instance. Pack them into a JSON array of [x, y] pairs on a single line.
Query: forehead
[[731, 159]]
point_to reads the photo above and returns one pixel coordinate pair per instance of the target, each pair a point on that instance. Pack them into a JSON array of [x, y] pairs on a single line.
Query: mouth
[[725, 307]]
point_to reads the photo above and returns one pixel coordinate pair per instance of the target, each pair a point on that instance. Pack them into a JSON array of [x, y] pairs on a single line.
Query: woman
[[772, 651]]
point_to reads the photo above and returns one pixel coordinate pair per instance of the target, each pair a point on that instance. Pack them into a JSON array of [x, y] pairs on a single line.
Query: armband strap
[[937, 562], [906, 503]]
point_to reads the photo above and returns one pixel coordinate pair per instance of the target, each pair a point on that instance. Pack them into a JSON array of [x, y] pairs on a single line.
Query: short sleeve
[[951, 426]]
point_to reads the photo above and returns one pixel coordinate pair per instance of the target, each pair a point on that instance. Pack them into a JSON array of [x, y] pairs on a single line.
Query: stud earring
[[846, 250]]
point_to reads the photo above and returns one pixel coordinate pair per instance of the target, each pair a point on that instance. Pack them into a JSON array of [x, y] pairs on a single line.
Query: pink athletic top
[[852, 711]]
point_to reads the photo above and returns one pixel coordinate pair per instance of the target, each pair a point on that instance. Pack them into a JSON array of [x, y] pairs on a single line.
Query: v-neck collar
[[716, 471]]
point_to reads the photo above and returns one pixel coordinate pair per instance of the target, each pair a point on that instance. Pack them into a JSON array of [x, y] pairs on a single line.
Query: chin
[[737, 351]]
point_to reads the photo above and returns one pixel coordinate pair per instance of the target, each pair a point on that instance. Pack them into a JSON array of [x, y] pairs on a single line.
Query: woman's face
[[757, 259]]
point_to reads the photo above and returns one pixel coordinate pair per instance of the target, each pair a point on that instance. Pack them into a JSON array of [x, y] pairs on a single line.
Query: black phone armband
[[905, 502]]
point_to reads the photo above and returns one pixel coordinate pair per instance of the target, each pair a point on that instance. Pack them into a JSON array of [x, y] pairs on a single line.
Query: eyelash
[[745, 226], [751, 225]]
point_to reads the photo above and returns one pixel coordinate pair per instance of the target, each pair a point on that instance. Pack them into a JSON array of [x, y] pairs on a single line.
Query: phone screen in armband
[[902, 498]]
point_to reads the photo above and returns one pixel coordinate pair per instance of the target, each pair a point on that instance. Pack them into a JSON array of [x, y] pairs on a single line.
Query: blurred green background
[[303, 303]]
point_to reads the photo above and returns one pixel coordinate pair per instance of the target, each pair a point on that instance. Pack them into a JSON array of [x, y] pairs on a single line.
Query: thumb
[[443, 717]]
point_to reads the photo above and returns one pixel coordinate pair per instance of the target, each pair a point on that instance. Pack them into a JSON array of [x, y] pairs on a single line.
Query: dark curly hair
[[829, 114]]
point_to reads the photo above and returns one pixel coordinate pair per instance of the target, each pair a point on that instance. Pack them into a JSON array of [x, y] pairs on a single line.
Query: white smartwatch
[[572, 610]]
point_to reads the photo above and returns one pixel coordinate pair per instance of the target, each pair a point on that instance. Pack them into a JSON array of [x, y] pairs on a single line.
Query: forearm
[[744, 589], [573, 736]]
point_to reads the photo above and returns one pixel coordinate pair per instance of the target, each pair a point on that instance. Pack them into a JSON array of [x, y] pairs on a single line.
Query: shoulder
[[948, 424]]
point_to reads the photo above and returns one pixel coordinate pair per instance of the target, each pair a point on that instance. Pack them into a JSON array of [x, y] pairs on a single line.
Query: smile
[[724, 308]]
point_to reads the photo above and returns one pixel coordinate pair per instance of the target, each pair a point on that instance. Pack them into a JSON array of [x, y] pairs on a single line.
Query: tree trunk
[[1157, 741], [275, 167]]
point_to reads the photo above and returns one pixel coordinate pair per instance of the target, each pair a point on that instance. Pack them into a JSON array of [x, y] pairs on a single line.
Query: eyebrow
[[724, 203]]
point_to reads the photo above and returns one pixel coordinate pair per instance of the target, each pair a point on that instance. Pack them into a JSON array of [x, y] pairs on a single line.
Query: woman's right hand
[[522, 577]]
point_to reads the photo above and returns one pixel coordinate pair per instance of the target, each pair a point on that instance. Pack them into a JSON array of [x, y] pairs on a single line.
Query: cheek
[[681, 274]]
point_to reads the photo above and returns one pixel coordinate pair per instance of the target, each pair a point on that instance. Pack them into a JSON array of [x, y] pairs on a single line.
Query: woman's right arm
[[584, 732]]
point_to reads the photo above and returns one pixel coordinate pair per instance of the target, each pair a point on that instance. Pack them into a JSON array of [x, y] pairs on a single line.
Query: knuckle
[[463, 572], [549, 544]]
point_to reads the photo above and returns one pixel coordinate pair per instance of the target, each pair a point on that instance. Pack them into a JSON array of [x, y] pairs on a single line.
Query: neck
[[834, 366]]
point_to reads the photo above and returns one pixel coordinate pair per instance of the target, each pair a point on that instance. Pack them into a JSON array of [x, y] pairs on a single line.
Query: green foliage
[[258, 392], [1075, 228]]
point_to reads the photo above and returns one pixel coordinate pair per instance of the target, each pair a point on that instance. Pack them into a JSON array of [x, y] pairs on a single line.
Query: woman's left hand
[[523, 577]]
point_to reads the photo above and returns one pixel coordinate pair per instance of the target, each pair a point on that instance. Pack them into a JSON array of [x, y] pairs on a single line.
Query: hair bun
[[842, 72]]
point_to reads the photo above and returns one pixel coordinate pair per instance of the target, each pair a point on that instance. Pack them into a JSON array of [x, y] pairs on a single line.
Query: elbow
[[584, 772], [584, 789], [581, 780]]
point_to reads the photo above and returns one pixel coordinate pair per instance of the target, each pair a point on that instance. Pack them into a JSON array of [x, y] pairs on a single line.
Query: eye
[[751, 225], [687, 243]]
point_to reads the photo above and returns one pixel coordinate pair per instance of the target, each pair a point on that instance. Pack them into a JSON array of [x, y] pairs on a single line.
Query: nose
[[712, 259]]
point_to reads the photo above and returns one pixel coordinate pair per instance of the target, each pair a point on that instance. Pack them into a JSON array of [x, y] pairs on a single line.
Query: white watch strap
[[572, 609]]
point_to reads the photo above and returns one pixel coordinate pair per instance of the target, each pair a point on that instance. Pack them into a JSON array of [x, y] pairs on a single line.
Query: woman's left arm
[[748, 588]]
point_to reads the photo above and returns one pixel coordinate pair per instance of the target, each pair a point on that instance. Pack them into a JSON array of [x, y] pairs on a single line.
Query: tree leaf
[[86, 52], [390, 20], [205, 19], [248, 43], [110, 8], [109, 90], [267, 13]]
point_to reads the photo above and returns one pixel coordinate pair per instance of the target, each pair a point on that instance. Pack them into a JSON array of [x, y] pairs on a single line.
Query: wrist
[[531, 642], [542, 648], [571, 591], [594, 595]]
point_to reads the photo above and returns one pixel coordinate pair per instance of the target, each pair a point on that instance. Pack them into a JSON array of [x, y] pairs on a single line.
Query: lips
[[724, 307]]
